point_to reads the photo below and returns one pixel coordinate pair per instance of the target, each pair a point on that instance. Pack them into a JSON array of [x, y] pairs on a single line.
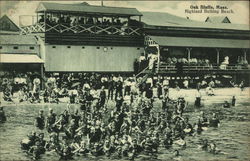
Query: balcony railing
[[79, 28], [232, 67]]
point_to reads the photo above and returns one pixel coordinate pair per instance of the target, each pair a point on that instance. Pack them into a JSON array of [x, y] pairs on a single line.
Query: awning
[[20, 58], [200, 42]]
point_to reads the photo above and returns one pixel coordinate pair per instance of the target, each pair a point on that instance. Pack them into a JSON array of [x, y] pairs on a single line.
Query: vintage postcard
[[124, 80]]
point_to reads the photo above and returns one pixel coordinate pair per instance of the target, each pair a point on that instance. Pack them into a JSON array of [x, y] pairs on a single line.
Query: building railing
[[79, 28], [231, 67]]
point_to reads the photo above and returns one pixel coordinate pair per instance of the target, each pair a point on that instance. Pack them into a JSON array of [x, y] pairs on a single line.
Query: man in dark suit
[[110, 88]]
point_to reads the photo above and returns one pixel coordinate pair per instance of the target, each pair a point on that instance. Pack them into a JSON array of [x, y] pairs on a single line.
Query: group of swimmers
[[126, 130]]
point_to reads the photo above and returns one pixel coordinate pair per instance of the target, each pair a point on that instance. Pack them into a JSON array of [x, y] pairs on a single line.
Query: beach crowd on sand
[[53, 87], [117, 116]]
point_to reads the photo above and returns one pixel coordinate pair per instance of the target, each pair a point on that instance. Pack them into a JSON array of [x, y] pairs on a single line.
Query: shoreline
[[221, 94]]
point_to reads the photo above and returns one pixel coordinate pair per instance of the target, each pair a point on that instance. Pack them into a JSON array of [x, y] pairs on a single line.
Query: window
[[53, 46], [1, 47], [15, 47], [68, 46], [111, 48], [83, 47], [98, 47], [138, 48], [32, 48]]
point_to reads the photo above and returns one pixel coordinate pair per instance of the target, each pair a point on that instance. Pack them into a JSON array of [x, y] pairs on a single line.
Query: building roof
[[200, 42], [87, 9], [20, 58], [6, 24], [168, 20], [218, 19], [17, 40]]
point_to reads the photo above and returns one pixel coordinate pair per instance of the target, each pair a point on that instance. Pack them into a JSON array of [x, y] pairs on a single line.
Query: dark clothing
[[149, 93], [40, 123], [118, 89], [214, 122], [233, 101], [110, 94], [179, 67], [127, 90], [198, 102], [2, 116], [102, 98], [159, 91], [111, 85], [119, 104]]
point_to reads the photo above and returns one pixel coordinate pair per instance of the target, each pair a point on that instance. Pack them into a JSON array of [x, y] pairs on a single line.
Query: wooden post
[[158, 60], [189, 56], [218, 56], [189, 53], [42, 75], [245, 54], [44, 14]]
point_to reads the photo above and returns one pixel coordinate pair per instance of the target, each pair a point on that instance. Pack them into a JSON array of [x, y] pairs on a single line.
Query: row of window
[[16, 47], [32, 47], [84, 47]]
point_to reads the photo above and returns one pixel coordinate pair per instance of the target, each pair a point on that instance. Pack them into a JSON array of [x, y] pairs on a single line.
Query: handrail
[[142, 71], [217, 67], [78, 28]]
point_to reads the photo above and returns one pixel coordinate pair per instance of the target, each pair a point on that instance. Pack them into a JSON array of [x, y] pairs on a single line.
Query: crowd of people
[[126, 130], [88, 21], [117, 117], [26, 87], [192, 61]]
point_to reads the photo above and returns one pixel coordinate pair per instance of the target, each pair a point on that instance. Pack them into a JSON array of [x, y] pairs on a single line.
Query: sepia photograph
[[124, 80]]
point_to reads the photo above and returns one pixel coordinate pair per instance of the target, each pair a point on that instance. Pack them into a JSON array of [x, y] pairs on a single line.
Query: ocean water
[[232, 137]]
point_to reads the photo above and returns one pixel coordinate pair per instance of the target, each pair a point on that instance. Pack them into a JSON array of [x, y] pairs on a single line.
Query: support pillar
[[158, 60], [42, 75], [218, 56], [45, 16], [189, 54], [245, 54]]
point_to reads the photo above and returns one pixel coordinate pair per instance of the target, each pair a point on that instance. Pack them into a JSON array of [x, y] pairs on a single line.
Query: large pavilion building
[[86, 38]]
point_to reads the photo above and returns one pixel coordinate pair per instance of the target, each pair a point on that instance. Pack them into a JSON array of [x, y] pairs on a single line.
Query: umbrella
[[75, 84]]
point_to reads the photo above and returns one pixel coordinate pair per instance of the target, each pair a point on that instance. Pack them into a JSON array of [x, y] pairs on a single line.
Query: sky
[[15, 9]]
